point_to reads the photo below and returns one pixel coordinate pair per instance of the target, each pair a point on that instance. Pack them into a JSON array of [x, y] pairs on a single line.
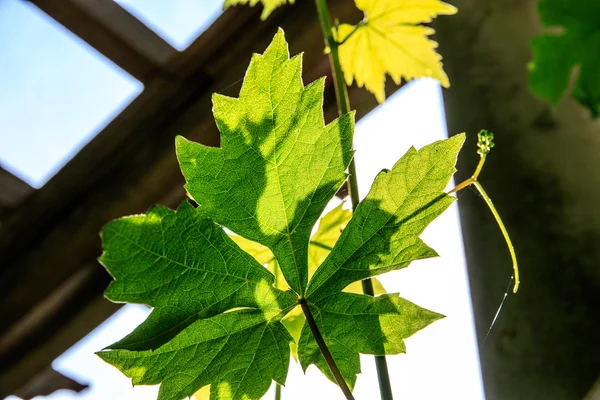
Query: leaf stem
[[277, 391], [310, 320], [343, 102]]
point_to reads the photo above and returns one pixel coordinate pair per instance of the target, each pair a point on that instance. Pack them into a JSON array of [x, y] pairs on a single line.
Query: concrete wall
[[544, 177]]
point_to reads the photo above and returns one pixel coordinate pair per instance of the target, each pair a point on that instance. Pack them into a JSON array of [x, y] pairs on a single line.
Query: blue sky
[[56, 93]]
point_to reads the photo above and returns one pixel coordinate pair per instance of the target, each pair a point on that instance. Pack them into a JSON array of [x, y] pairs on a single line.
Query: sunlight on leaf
[[390, 41], [383, 234], [242, 351], [268, 5], [223, 313], [279, 165], [185, 267]]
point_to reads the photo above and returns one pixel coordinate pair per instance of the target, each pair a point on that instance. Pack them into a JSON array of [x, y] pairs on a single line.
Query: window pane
[[177, 22], [56, 93]]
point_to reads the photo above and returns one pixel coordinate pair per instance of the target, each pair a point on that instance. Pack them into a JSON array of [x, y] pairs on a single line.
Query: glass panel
[[177, 22], [56, 93]]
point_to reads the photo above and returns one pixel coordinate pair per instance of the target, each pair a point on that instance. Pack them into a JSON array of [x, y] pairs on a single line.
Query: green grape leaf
[[278, 165], [383, 234], [268, 5], [355, 323], [390, 40], [226, 306], [238, 353], [184, 266], [574, 41]]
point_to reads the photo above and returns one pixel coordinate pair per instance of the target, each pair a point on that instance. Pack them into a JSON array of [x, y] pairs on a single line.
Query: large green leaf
[[575, 44], [383, 233], [355, 323], [219, 316], [278, 165]]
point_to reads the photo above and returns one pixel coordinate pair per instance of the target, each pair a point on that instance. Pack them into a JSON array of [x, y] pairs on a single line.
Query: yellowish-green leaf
[[294, 322], [202, 394], [390, 41], [268, 5], [330, 229], [261, 253], [383, 234]]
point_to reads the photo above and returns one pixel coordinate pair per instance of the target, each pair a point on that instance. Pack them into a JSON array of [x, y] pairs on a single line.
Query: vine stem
[[343, 102], [310, 320], [278, 392], [473, 181]]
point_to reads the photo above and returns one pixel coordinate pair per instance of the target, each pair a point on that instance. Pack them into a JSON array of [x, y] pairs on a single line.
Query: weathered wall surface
[[544, 177]]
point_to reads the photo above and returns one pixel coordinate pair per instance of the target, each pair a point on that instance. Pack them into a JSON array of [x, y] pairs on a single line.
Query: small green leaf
[[268, 5], [278, 165], [185, 267], [383, 234], [238, 353], [557, 54], [354, 323]]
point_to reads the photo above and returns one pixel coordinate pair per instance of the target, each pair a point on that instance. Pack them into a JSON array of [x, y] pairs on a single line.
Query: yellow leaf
[[390, 41], [294, 321], [329, 230], [268, 5], [202, 394], [261, 253], [356, 287]]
